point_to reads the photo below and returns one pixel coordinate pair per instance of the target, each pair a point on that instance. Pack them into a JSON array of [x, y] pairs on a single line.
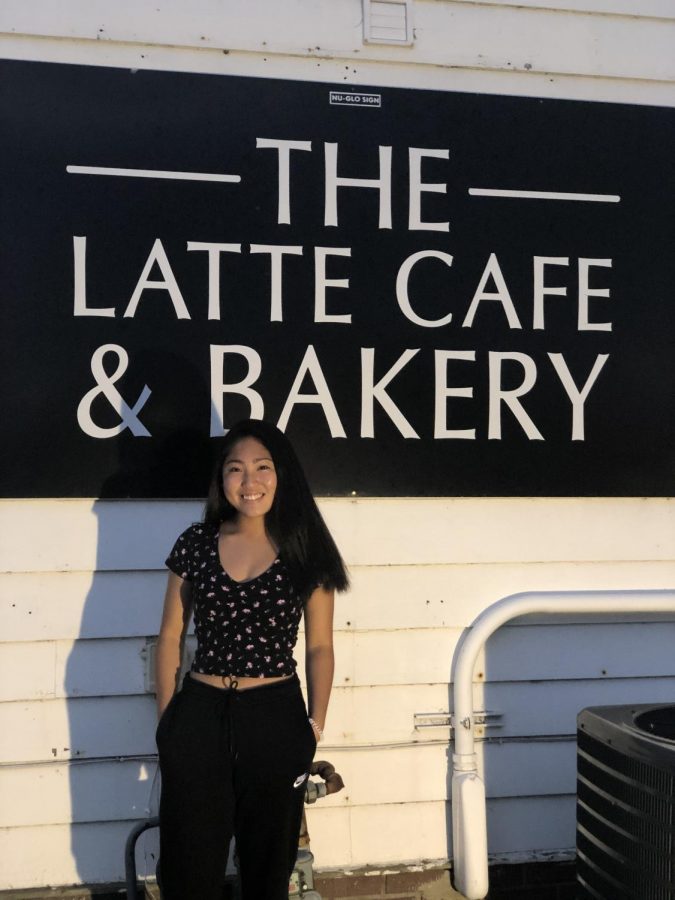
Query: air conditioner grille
[[623, 820], [629, 791], [627, 849], [660, 780], [609, 880], [625, 807]]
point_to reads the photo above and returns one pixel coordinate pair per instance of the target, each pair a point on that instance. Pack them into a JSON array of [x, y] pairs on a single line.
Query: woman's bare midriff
[[243, 682]]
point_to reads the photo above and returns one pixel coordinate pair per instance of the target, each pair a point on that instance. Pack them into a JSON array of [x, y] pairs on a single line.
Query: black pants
[[232, 762]]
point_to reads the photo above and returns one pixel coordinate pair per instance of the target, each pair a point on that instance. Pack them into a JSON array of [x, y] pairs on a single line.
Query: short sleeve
[[181, 558]]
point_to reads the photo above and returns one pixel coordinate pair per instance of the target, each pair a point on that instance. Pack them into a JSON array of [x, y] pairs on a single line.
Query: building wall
[[82, 581]]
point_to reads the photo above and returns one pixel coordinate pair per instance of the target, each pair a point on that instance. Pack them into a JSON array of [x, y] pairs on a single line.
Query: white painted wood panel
[[90, 536], [421, 831], [80, 793], [531, 826], [27, 671], [551, 707], [422, 773], [384, 714], [106, 668], [86, 727], [412, 831], [580, 651], [435, 596], [58, 794], [378, 531], [45, 670], [494, 36], [362, 72], [62, 854], [529, 769], [125, 726], [660, 9], [68, 605], [417, 656]]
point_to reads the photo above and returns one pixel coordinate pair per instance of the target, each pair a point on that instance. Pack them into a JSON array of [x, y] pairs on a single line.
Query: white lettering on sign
[[355, 99], [284, 148], [371, 392], [310, 366], [214, 251], [486, 298], [167, 283], [277, 254], [501, 295], [500, 398], [510, 398], [321, 282], [105, 385], [402, 287], [333, 181], [219, 387], [442, 392], [417, 187]]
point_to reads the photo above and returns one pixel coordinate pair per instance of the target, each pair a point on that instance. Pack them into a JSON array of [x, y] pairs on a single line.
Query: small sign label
[[337, 98]]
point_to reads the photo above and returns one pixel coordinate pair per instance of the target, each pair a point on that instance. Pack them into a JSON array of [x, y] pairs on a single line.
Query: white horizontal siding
[[77, 612], [406, 831], [401, 73], [49, 606], [42, 794], [65, 854], [660, 9], [479, 35], [91, 727], [134, 535]]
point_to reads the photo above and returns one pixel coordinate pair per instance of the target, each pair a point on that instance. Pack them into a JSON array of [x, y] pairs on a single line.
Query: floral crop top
[[242, 627]]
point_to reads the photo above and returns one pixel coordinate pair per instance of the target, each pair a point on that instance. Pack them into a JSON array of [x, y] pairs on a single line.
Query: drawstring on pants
[[229, 694]]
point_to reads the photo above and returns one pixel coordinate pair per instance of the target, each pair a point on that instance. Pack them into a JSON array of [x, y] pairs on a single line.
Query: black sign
[[433, 293]]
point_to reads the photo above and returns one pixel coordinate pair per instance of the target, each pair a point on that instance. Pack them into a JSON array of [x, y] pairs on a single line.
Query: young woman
[[236, 743]]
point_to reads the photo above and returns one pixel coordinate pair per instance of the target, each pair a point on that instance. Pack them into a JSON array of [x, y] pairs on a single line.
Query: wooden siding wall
[[76, 722], [81, 582]]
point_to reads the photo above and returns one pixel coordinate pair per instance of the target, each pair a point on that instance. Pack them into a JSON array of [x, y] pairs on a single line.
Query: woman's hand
[[317, 729]]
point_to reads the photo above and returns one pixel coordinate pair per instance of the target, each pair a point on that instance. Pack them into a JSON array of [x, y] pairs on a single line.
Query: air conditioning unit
[[626, 802]]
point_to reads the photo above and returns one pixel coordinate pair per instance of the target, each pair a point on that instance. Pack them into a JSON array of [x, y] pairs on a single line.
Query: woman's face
[[249, 478]]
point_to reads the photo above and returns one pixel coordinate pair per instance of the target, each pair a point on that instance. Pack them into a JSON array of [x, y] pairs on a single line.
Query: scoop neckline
[[247, 580]]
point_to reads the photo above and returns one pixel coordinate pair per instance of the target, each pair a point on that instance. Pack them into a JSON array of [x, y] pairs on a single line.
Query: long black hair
[[294, 522]]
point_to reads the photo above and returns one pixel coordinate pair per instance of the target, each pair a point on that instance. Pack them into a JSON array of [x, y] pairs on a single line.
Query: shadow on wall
[[111, 715]]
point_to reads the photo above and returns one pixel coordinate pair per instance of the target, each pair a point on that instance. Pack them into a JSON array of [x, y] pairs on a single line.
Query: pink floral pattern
[[242, 628]]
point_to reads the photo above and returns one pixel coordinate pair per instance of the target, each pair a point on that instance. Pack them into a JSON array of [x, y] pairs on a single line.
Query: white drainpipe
[[469, 825]]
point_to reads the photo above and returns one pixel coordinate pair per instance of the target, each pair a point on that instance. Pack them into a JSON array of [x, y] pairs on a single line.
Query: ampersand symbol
[[105, 385]]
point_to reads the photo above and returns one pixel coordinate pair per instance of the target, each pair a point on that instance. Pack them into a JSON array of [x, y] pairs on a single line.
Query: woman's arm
[[175, 618], [319, 658]]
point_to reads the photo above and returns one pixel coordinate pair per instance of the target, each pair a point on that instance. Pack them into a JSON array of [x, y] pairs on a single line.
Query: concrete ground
[[532, 881]]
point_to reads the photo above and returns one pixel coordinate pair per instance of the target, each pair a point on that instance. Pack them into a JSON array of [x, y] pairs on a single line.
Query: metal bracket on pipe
[[482, 717]]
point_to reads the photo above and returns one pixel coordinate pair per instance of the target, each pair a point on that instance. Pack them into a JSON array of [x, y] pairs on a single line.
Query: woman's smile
[[249, 478]]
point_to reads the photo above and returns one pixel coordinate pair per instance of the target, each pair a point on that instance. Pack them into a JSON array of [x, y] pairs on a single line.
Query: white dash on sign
[[152, 173], [545, 195]]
